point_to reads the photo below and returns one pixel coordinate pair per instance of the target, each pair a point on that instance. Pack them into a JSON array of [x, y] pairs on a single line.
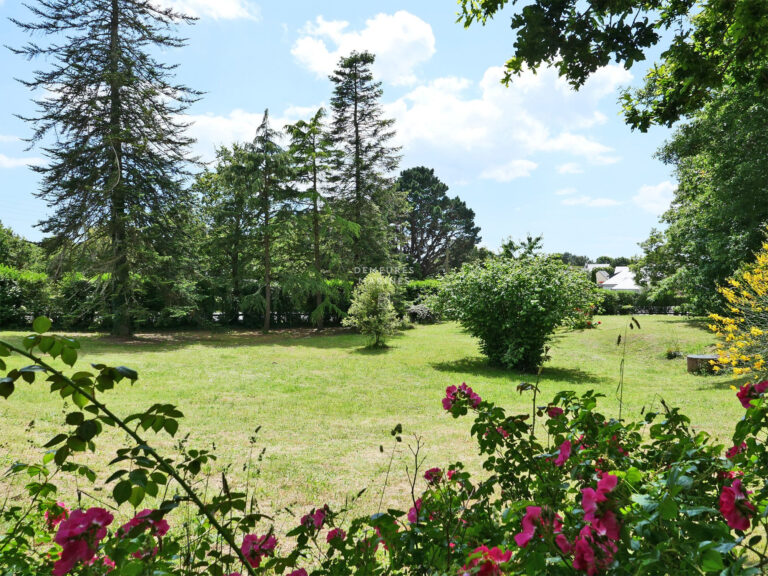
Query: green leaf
[[127, 373], [171, 426], [122, 491], [80, 400], [6, 387], [668, 509], [41, 325], [69, 356], [137, 496], [87, 430], [74, 418], [712, 561], [58, 439], [151, 489], [46, 343], [61, 455], [4, 351]]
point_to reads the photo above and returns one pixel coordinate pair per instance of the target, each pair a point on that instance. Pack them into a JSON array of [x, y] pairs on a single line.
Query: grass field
[[326, 404]]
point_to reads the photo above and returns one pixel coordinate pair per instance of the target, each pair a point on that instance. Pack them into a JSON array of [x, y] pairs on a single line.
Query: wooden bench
[[700, 362]]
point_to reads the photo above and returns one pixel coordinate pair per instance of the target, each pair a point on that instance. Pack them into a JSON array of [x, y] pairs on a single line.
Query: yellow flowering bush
[[743, 344]]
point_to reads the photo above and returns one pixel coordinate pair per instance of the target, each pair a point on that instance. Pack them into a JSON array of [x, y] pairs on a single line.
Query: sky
[[532, 158]]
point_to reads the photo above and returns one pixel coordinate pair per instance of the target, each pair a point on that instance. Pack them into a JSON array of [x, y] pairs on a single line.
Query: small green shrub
[[514, 306], [372, 311]]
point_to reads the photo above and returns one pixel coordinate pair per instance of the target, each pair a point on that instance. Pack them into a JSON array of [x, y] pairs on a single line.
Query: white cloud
[[481, 126], [590, 202], [212, 131], [216, 9], [510, 171], [655, 199], [8, 162], [565, 191], [6, 137], [570, 168], [400, 41]]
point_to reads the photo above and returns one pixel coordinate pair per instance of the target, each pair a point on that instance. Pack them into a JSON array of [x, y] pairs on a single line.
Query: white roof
[[623, 279]]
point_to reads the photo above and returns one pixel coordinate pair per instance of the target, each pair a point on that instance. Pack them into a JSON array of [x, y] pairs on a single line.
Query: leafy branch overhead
[[705, 46]]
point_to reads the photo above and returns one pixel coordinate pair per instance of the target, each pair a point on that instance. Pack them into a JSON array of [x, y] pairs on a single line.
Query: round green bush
[[514, 306]]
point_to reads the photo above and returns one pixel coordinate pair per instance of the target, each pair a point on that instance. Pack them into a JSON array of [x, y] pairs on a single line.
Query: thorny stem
[[225, 534]]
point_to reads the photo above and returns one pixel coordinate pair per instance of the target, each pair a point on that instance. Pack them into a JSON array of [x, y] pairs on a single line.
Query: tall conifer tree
[[108, 124], [273, 168], [311, 150], [363, 183]]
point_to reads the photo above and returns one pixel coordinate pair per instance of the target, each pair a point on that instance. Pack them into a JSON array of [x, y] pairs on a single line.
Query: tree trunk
[[121, 290], [234, 309]]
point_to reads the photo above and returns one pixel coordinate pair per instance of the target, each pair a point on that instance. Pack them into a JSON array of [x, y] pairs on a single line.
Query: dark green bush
[[416, 291], [23, 295], [77, 303]]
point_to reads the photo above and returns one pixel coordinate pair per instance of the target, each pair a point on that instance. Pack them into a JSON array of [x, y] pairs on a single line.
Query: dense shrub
[[578, 493], [23, 295], [416, 291], [372, 311], [514, 306]]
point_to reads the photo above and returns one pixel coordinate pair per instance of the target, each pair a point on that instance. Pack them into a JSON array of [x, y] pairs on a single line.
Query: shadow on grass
[[572, 376], [372, 350], [475, 365], [331, 338], [707, 382], [478, 366]]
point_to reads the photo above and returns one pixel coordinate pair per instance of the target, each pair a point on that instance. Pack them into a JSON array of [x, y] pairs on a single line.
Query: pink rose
[[565, 453], [554, 411], [55, 515], [413, 513], [735, 450], [537, 518], [750, 392], [255, 547], [488, 560], [735, 506], [335, 534], [433, 475], [79, 536]]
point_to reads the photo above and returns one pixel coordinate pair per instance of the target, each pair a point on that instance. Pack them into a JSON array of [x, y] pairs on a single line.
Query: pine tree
[[362, 173], [231, 217], [311, 152], [274, 199], [109, 127]]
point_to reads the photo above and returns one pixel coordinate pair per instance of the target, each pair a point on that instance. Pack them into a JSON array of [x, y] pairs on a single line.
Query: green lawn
[[326, 404]]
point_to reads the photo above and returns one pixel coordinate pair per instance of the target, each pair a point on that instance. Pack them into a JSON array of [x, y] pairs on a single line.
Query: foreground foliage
[[577, 492]]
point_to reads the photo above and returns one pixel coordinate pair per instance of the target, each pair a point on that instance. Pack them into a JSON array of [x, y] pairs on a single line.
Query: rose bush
[[565, 489]]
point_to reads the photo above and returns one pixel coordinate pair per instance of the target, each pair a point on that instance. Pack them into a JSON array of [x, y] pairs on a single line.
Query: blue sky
[[534, 158]]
